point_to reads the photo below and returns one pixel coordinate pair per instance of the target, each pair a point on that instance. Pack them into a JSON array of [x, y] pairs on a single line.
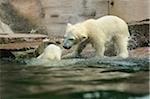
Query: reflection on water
[[71, 82]]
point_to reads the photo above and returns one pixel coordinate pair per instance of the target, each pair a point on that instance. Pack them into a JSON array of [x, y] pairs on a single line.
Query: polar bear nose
[[67, 47]]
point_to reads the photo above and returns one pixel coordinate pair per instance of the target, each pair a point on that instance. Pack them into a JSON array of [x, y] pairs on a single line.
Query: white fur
[[51, 52], [99, 32]]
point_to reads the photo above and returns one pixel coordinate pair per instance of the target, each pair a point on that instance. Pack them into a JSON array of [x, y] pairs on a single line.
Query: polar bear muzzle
[[68, 43]]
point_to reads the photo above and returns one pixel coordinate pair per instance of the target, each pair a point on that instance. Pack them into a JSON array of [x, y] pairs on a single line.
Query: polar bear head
[[74, 34]]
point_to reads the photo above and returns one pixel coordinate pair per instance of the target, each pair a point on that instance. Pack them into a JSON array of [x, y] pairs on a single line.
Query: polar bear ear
[[68, 24]]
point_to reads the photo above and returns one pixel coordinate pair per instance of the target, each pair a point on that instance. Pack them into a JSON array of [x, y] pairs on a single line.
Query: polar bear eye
[[84, 37], [71, 39]]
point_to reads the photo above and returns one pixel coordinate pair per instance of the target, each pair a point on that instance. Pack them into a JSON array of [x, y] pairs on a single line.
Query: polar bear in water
[[51, 52]]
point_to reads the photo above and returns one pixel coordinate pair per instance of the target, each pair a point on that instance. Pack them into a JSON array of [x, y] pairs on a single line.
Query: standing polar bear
[[51, 52], [98, 32]]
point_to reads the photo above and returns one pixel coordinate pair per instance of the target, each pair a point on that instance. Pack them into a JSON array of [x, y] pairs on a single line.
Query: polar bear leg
[[121, 47], [80, 47], [77, 51], [100, 49]]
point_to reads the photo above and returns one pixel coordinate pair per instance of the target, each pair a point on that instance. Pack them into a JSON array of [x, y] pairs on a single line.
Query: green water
[[75, 81]]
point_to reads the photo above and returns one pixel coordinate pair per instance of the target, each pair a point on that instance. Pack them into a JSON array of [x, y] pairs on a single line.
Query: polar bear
[[51, 52], [98, 32]]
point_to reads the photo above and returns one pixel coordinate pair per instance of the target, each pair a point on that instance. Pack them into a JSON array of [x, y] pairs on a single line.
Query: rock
[[140, 52], [4, 28], [17, 21], [6, 54], [139, 35], [19, 37], [30, 9], [21, 45]]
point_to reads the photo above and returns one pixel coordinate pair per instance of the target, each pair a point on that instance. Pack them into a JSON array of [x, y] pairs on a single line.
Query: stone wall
[[28, 8], [18, 21], [130, 10], [53, 15], [58, 14]]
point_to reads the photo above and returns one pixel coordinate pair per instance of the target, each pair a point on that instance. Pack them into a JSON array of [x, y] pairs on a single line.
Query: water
[[75, 79]]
